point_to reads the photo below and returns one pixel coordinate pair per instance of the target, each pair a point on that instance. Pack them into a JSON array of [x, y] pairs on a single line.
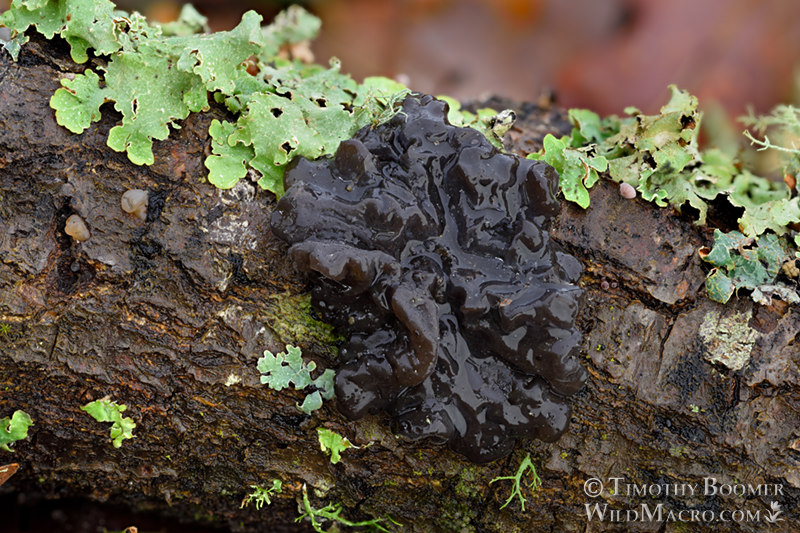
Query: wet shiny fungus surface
[[426, 248]]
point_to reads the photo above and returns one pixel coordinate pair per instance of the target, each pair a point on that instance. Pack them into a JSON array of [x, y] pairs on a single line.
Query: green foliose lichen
[[156, 75], [14, 428], [659, 156], [333, 444], [106, 410], [742, 262], [285, 369]]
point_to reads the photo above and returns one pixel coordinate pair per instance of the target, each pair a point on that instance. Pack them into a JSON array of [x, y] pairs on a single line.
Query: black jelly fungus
[[427, 249]]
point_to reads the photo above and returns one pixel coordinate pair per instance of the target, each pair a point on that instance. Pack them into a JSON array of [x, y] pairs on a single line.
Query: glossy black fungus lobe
[[426, 248]]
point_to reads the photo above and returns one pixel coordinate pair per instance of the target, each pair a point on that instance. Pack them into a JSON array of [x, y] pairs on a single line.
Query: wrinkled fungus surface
[[426, 248]]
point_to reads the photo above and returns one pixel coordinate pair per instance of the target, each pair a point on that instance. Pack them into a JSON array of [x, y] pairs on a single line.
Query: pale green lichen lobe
[[13, 429], [106, 410], [281, 370]]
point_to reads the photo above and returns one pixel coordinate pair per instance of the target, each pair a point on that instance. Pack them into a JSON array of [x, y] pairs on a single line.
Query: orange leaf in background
[[517, 13], [6, 471]]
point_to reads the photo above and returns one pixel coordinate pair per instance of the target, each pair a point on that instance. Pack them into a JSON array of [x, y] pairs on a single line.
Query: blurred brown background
[[600, 54]]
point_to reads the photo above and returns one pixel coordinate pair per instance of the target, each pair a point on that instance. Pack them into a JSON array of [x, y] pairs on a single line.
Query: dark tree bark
[[169, 315]]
